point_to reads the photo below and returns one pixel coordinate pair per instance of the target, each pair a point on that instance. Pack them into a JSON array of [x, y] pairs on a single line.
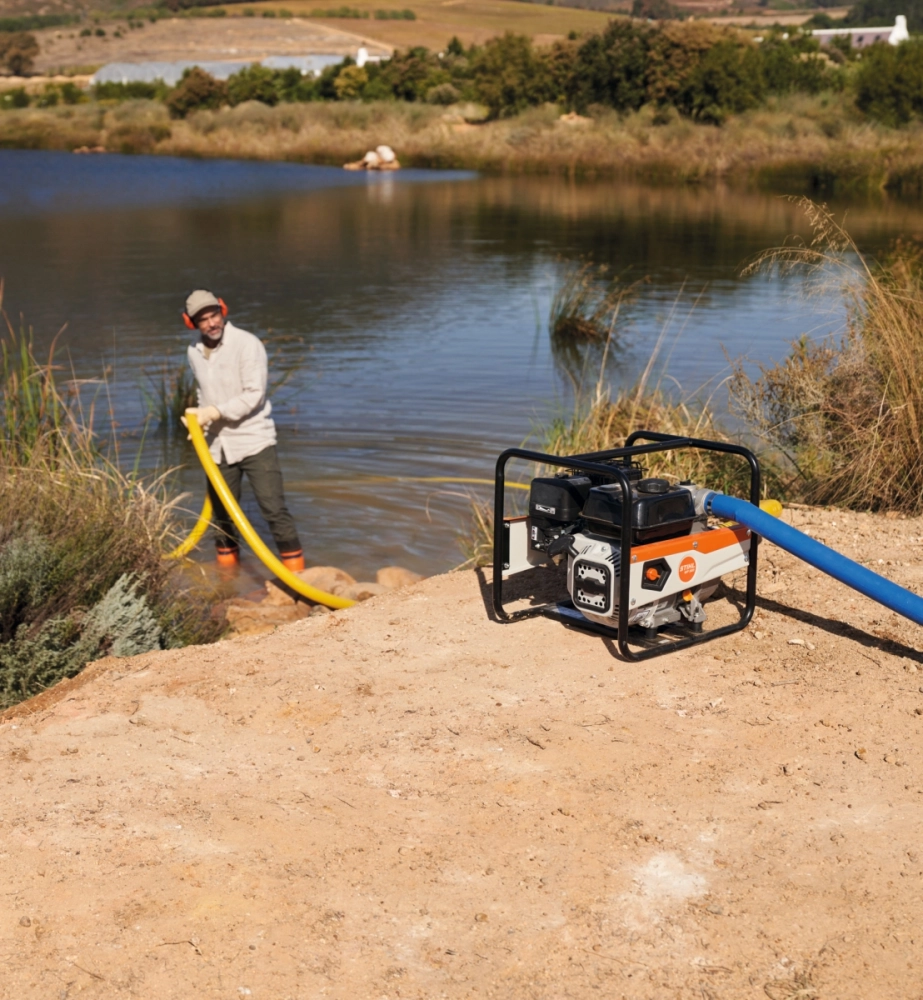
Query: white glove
[[205, 415]]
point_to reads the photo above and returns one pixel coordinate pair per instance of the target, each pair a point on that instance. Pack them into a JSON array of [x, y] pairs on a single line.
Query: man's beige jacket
[[233, 377]]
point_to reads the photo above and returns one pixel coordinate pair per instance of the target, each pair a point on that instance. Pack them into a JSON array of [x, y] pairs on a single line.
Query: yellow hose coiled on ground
[[246, 528]]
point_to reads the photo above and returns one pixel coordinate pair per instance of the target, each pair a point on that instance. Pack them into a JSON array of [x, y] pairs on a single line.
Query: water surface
[[412, 309]]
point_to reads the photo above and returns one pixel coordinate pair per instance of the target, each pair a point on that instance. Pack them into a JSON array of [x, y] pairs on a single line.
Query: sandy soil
[[232, 38], [406, 799]]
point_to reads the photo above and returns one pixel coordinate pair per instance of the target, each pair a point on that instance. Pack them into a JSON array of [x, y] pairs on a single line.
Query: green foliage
[[348, 13], [871, 13], [15, 98], [135, 90], [508, 75], [196, 90], [889, 82], [253, 83], [443, 93], [35, 22], [395, 15], [655, 10], [349, 82], [612, 68], [18, 50], [71, 93]]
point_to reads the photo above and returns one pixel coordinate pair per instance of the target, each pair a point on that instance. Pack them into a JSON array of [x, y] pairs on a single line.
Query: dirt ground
[[229, 38], [407, 799]]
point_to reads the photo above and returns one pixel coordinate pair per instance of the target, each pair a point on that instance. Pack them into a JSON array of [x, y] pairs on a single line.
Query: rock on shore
[[281, 605]]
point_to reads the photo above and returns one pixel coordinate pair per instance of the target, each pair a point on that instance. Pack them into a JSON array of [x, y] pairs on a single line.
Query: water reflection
[[414, 311]]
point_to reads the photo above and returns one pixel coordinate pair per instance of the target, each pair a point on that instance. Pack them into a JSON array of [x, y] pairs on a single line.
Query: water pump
[[643, 555]]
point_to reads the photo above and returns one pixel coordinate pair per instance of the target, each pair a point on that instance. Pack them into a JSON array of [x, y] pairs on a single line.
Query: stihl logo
[[687, 569]]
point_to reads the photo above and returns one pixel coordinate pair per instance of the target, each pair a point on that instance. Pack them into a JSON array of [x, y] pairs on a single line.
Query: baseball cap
[[198, 300]]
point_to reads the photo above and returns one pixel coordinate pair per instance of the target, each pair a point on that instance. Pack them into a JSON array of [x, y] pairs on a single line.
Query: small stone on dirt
[[395, 577]]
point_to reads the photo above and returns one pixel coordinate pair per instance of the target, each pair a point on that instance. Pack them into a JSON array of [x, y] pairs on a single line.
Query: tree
[[197, 89], [18, 50]]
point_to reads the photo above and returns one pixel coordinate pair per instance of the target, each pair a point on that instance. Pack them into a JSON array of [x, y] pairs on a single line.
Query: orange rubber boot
[[228, 556], [293, 561]]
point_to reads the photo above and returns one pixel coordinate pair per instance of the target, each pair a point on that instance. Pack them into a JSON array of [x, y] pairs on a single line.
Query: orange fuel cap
[[652, 573]]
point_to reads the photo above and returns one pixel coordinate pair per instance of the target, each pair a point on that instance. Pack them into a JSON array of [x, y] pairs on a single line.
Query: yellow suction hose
[[195, 536], [246, 528]]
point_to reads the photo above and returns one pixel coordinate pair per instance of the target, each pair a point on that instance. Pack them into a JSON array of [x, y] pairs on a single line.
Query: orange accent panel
[[708, 541]]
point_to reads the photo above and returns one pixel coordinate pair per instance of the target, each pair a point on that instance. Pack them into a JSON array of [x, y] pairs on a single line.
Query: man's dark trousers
[[265, 478]]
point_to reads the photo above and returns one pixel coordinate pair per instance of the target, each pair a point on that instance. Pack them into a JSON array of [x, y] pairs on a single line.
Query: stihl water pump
[[643, 555]]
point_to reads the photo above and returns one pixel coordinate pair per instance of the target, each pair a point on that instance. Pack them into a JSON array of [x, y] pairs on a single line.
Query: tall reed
[[847, 412]]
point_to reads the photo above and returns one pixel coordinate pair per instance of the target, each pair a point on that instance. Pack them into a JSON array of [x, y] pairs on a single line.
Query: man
[[231, 373]]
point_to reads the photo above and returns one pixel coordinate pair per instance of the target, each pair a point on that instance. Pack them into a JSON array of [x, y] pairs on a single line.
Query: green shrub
[[395, 15], [71, 93], [508, 75], [867, 13], [611, 68], [350, 81], [889, 82], [135, 90], [197, 89], [443, 93], [15, 98], [253, 83]]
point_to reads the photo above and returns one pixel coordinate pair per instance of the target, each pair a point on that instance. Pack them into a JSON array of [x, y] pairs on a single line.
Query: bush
[[197, 89], [82, 572], [15, 98], [135, 90], [443, 93], [395, 15], [508, 75], [254, 83], [71, 93], [18, 50], [867, 13], [612, 68], [349, 82], [889, 82]]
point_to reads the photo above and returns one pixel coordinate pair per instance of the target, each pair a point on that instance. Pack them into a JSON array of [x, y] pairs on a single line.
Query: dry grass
[[81, 542], [799, 142], [848, 413]]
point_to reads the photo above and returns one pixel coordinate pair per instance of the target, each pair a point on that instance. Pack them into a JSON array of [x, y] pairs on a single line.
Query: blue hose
[[832, 563]]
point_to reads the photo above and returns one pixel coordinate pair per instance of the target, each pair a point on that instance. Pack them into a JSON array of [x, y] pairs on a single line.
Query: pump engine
[[677, 556]]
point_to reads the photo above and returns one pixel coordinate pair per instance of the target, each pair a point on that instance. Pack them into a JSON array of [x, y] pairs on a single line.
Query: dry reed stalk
[[848, 414]]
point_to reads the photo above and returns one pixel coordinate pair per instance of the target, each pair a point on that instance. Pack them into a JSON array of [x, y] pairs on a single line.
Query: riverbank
[[407, 799], [797, 143]]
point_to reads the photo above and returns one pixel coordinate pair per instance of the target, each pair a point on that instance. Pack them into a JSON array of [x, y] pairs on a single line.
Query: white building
[[863, 37]]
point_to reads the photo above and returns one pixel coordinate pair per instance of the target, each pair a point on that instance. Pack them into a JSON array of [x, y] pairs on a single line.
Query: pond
[[410, 312]]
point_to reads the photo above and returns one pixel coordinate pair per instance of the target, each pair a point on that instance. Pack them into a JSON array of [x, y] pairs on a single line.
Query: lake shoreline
[[798, 144]]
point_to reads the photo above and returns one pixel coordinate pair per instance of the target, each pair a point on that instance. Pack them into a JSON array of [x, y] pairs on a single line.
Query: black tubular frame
[[590, 462]]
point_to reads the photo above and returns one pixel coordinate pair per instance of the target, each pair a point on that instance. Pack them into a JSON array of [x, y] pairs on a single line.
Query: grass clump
[[847, 413], [82, 573]]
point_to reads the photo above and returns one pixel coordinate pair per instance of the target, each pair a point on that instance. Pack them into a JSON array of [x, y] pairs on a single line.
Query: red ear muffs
[[188, 320]]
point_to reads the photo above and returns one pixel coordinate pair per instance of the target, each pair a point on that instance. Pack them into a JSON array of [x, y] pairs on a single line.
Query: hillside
[[406, 799]]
